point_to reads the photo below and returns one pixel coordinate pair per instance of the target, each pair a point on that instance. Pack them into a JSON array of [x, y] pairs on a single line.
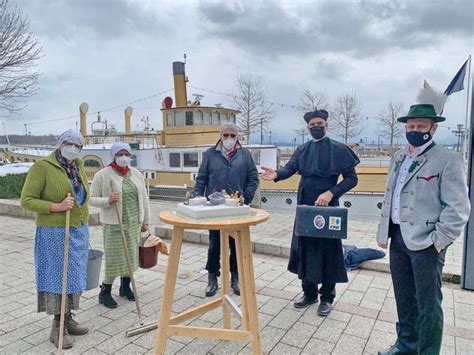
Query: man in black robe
[[320, 162]]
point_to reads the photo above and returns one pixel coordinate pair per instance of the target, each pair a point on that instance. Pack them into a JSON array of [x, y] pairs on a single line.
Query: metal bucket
[[147, 257], [93, 268]]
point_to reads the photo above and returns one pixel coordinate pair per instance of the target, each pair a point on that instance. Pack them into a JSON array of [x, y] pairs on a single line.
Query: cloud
[[355, 28]]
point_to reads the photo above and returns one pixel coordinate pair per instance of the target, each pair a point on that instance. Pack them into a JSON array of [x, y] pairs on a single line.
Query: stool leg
[[168, 292], [250, 290], [225, 275], [242, 281]]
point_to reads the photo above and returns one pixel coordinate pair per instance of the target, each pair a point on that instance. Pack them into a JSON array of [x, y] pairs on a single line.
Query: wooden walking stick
[[65, 268], [125, 248]]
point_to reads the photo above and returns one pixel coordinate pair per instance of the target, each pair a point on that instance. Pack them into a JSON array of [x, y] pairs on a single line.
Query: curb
[[199, 237]]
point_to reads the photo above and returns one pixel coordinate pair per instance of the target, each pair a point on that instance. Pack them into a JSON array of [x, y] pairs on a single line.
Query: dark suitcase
[[321, 222]]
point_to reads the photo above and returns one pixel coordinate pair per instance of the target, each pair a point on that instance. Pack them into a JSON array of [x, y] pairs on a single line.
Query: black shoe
[[305, 301], [391, 351], [324, 309], [212, 285], [234, 283], [125, 290], [105, 296]]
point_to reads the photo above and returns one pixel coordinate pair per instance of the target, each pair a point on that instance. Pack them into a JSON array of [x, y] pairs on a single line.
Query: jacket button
[[411, 223], [412, 208], [412, 193]]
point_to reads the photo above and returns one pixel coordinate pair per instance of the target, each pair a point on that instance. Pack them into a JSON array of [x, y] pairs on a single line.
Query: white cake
[[210, 211]]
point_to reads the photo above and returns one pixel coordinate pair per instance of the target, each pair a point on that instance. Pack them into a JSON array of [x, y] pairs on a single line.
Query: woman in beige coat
[[120, 184]]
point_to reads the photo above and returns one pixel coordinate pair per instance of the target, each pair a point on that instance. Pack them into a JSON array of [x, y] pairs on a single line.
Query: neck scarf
[[119, 169], [71, 169]]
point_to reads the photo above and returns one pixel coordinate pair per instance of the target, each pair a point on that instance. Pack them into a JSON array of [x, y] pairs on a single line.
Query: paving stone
[[299, 335], [349, 344], [330, 330], [318, 346], [360, 326], [282, 348]]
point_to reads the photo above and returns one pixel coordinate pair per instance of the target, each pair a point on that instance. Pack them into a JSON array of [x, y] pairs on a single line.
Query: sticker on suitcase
[[335, 223]]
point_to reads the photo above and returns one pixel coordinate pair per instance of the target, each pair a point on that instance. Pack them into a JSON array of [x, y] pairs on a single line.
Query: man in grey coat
[[230, 167], [425, 208]]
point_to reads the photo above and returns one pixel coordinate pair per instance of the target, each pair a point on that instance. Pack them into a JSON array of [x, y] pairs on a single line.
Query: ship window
[[179, 118], [198, 118], [92, 163], [175, 160], [224, 118], [133, 161], [190, 160], [206, 118], [215, 119], [170, 119], [189, 118]]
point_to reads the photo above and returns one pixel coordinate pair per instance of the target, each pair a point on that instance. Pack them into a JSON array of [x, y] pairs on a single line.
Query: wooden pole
[[65, 268], [127, 257]]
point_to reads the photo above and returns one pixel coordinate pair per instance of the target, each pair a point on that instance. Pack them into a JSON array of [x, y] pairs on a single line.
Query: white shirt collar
[[418, 150]]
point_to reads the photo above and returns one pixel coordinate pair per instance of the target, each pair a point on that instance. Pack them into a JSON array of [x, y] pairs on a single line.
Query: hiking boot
[[54, 336]]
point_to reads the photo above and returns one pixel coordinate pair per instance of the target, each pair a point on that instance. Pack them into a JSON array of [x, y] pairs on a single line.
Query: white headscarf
[[117, 147], [70, 136]]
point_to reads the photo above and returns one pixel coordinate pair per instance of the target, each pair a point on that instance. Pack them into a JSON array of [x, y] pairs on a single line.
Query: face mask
[[417, 139], [123, 161], [229, 143], [318, 132], [70, 152]]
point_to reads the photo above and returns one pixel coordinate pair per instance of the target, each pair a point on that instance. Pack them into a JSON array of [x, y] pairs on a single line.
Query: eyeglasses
[[226, 135]]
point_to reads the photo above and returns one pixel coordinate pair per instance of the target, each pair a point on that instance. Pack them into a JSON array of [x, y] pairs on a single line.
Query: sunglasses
[[232, 135]]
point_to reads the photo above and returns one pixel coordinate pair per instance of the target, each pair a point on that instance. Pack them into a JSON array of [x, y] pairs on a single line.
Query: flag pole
[[466, 118]]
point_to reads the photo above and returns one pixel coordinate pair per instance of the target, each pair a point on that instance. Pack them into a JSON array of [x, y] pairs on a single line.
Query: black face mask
[[318, 132], [417, 139]]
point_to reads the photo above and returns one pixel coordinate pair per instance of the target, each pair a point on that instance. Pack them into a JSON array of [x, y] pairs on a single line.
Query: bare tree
[[250, 99], [389, 127], [312, 100], [19, 51], [347, 116]]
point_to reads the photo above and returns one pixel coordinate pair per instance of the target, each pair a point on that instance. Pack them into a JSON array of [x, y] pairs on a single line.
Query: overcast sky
[[108, 53]]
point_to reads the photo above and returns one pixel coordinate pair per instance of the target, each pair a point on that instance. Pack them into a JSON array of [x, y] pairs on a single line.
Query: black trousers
[[213, 264], [327, 290], [417, 281]]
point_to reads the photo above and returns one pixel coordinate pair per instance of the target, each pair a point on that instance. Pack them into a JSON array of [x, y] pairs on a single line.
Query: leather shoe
[[324, 309], [391, 351], [212, 285], [234, 283], [305, 301]]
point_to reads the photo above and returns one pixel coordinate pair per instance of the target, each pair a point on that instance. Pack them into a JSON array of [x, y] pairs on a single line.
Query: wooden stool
[[237, 228]]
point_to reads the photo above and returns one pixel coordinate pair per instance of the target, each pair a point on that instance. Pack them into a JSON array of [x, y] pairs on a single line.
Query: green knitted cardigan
[[47, 182]]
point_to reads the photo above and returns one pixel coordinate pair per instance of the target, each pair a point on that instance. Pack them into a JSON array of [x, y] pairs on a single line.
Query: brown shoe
[[54, 337], [73, 327]]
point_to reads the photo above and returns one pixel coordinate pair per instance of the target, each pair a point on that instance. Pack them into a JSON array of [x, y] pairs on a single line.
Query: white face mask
[[70, 152], [229, 143], [123, 161]]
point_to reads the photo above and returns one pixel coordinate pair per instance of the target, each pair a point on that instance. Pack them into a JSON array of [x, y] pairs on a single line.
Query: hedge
[[11, 185]]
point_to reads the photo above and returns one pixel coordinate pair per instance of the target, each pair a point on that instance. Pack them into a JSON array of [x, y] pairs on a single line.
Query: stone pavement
[[362, 322]]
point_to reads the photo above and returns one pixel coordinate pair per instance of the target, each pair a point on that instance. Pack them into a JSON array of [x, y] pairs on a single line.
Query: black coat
[[320, 164], [216, 173]]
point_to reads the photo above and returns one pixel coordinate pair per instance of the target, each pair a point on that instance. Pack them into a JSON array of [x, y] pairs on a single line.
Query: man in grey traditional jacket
[[425, 208]]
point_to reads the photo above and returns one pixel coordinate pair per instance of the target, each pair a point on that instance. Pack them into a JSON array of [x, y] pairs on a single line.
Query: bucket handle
[[92, 250]]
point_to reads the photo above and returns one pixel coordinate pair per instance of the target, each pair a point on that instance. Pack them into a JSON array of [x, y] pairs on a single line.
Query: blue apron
[[49, 256]]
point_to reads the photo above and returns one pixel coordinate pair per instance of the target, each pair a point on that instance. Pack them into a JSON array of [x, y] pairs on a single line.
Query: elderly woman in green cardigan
[[45, 192], [120, 184]]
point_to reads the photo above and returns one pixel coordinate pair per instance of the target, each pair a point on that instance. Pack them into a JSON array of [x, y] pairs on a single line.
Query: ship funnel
[[128, 114], [180, 80], [83, 108]]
